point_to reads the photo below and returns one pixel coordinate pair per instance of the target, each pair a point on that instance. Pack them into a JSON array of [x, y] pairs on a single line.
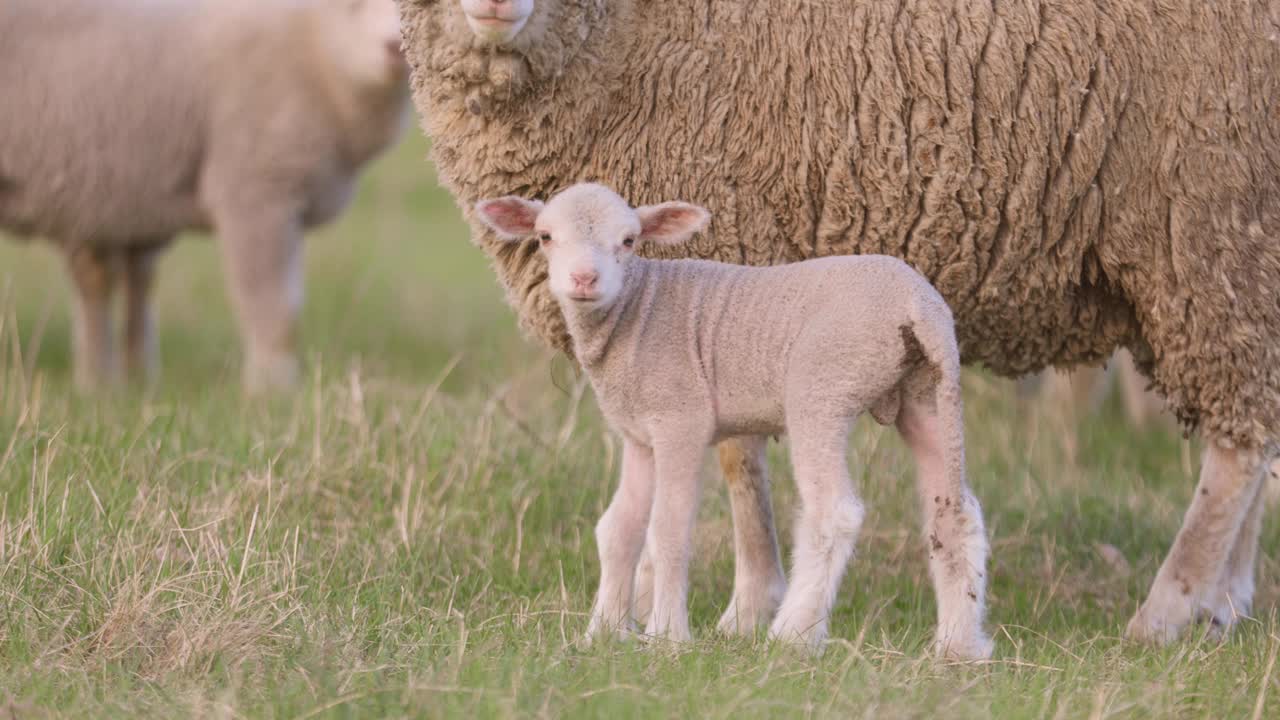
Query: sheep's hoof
[[265, 374], [1151, 629], [971, 649]]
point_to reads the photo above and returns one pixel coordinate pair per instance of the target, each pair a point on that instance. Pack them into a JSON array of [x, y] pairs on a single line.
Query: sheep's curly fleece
[[1072, 175]]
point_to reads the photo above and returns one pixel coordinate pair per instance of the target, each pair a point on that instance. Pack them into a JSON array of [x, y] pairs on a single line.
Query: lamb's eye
[[544, 238], [628, 242]]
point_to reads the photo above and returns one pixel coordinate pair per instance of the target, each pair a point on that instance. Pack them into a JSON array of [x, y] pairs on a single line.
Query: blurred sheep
[[125, 122]]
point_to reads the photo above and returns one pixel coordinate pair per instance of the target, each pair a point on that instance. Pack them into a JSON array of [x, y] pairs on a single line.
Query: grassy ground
[[410, 533]]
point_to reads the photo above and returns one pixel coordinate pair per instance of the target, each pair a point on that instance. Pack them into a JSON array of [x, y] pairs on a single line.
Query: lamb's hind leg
[[1192, 575], [830, 518], [758, 579], [953, 526]]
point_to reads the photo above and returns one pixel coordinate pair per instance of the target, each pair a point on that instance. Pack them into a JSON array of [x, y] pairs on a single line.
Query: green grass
[[410, 534]]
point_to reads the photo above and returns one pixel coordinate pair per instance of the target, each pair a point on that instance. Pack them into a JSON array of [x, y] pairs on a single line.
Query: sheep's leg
[[93, 275], [670, 537], [1235, 597], [830, 519], [1188, 582], [263, 255], [139, 320], [758, 579], [1271, 486], [953, 528], [619, 539]]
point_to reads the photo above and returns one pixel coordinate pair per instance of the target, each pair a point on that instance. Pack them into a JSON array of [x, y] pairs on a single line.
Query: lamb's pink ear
[[671, 223], [510, 217]]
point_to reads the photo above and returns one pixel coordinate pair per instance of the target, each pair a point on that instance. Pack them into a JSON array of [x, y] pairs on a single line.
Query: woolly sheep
[[684, 352], [1072, 175], [125, 122]]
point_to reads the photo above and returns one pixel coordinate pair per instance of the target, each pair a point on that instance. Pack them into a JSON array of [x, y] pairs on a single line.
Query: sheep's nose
[[394, 48], [585, 280]]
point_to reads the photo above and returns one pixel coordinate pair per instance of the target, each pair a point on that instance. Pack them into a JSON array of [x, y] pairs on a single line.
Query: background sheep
[[1083, 390], [247, 118], [682, 352], [1043, 165]]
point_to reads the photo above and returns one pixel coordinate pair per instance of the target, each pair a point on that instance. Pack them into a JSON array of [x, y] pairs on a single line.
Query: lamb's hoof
[[803, 633], [745, 614], [668, 642], [667, 634], [599, 632], [974, 648]]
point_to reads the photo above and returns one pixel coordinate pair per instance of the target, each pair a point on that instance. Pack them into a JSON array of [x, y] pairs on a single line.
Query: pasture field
[[410, 534]]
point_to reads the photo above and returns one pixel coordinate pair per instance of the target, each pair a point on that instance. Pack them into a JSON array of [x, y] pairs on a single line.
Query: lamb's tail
[[934, 328]]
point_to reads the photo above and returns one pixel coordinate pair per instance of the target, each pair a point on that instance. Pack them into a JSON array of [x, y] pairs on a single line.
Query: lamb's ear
[[671, 223], [510, 217]]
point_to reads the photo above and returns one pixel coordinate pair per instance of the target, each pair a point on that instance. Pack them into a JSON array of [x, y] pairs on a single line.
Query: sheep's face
[[588, 234], [494, 22], [493, 55], [363, 36]]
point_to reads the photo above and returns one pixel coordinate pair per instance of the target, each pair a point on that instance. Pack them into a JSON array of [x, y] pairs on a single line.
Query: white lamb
[[683, 353]]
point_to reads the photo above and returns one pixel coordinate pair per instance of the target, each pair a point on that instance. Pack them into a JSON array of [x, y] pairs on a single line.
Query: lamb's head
[[362, 38], [492, 52], [588, 235]]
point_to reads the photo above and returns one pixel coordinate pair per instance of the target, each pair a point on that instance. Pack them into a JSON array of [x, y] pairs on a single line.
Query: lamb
[[125, 122], [1072, 176], [683, 352]]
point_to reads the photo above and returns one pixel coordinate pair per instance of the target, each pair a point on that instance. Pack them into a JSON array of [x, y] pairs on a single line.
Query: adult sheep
[[124, 122], [1073, 176]]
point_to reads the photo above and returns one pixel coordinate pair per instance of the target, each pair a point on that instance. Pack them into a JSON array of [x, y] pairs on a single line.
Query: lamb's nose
[[585, 280], [394, 48]]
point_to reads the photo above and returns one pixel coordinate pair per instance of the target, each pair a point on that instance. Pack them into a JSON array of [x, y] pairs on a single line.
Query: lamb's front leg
[[619, 539], [758, 580], [670, 542]]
